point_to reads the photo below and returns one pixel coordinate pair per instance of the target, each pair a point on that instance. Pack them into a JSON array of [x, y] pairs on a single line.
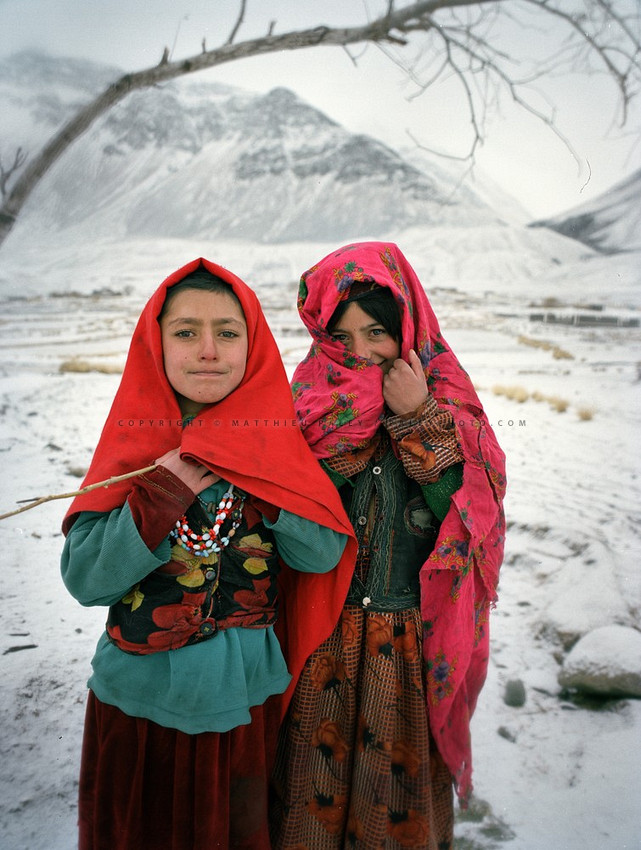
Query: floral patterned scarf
[[339, 402]]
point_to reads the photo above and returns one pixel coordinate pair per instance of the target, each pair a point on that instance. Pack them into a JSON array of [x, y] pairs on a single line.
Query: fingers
[[413, 363], [206, 481], [167, 456], [195, 475], [416, 365], [404, 386]]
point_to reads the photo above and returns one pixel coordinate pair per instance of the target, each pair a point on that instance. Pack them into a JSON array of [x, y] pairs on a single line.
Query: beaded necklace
[[209, 539]]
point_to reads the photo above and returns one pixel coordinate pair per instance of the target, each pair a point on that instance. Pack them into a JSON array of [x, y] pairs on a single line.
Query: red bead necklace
[[211, 539]]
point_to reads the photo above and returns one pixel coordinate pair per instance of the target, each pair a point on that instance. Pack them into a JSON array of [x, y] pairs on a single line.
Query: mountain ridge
[[609, 223], [197, 158], [192, 157]]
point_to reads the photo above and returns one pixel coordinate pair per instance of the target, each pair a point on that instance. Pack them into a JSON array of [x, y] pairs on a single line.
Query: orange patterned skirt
[[357, 768]]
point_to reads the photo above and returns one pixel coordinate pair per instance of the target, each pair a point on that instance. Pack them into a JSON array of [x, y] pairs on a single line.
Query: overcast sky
[[371, 95]]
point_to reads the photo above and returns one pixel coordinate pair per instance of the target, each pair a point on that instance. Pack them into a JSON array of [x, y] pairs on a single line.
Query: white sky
[[371, 96]]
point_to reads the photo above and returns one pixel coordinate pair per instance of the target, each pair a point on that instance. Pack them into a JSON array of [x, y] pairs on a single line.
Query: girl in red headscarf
[[378, 731], [185, 695]]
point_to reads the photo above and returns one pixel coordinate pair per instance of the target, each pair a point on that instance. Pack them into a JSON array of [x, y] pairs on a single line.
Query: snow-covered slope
[[551, 773], [610, 223], [193, 157], [466, 181]]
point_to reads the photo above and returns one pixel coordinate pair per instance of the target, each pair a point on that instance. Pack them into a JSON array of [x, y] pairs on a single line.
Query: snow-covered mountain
[[609, 223], [198, 158]]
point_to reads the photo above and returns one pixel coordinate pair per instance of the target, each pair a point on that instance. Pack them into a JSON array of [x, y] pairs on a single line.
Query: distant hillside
[[610, 223], [195, 158]]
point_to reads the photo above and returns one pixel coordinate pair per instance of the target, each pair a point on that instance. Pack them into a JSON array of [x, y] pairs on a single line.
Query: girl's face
[[204, 342], [366, 337]]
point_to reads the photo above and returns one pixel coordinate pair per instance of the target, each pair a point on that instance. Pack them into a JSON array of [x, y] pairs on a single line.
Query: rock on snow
[[606, 661]]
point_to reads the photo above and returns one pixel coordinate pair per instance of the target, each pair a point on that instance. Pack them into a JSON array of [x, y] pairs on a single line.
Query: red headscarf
[[249, 438], [339, 401]]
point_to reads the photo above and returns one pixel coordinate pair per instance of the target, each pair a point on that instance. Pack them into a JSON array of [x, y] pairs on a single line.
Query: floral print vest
[[190, 599]]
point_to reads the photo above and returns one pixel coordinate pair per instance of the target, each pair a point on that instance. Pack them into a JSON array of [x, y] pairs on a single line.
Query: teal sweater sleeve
[[104, 557], [305, 545]]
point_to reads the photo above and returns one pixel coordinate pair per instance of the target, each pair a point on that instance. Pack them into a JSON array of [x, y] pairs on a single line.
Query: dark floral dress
[[357, 767]]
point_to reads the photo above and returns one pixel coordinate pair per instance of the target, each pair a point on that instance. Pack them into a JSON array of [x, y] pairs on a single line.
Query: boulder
[[514, 694], [606, 661]]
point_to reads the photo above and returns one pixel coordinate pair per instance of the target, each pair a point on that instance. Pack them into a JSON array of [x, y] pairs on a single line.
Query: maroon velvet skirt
[[144, 786]]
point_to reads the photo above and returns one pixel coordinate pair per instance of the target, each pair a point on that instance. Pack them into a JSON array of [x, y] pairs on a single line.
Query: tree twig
[[33, 503], [239, 22], [6, 173]]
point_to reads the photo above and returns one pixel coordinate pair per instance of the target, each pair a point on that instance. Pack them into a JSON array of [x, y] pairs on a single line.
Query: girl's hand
[[404, 386], [194, 475]]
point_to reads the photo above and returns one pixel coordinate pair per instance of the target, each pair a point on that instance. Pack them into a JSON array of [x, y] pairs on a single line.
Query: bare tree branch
[[599, 48], [239, 22], [464, 40], [34, 503], [6, 173]]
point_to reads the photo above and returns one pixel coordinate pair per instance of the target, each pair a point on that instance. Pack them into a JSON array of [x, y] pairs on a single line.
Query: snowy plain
[[557, 772]]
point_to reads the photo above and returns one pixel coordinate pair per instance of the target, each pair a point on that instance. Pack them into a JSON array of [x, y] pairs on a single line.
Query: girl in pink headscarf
[[377, 734]]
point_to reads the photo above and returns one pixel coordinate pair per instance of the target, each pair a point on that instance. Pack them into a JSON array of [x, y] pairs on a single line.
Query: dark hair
[[379, 303], [203, 280]]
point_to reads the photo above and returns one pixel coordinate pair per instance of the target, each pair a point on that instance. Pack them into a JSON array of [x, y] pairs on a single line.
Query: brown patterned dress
[[357, 768]]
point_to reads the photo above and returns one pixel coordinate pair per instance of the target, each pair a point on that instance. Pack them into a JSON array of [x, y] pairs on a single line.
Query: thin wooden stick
[[106, 483]]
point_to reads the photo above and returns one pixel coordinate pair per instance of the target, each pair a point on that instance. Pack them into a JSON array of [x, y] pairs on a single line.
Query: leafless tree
[[452, 38], [7, 172]]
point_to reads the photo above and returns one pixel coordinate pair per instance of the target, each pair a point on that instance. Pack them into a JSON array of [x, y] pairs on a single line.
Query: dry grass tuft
[[81, 366], [535, 343], [557, 352], [585, 413], [515, 393], [518, 394], [557, 403], [561, 354]]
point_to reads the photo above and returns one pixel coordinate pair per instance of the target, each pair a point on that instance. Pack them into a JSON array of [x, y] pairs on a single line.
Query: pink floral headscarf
[[339, 403]]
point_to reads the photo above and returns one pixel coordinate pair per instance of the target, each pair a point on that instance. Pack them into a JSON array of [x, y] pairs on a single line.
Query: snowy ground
[[556, 772]]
